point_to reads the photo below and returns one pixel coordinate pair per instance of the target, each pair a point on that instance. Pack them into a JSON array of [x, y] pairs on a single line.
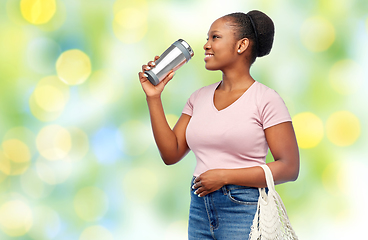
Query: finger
[[145, 68], [201, 193], [197, 185], [156, 58], [151, 64], [197, 179], [198, 191], [196, 182], [142, 76]]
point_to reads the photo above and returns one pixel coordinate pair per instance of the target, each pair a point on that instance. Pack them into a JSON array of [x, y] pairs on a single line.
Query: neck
[[235, 80]]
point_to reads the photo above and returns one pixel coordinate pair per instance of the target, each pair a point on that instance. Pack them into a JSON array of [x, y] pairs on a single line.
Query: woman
[[229, 126]]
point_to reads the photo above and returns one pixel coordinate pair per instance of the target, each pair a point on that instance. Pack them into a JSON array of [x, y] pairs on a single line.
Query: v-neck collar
[[232, 104]]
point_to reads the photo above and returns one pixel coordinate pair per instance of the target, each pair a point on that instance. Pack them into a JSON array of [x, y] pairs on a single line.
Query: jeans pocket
[[245, 196]]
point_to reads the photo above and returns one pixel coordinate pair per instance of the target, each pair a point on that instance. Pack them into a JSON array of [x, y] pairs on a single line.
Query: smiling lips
[[207, 56]]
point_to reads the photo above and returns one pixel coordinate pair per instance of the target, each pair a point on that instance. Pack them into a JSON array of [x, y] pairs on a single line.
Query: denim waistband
[[228, 187]]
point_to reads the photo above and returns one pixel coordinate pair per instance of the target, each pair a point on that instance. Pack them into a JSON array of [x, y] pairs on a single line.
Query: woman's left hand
[[208, 182]]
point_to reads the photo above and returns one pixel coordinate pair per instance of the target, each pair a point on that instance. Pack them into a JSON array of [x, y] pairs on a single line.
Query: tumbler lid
[[185, 48]]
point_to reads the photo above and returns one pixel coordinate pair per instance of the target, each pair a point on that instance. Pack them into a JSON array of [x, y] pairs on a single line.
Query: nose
[[207, 46]]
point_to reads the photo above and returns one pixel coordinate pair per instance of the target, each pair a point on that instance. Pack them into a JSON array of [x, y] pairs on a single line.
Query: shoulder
[[266, 94], [271, 107], [261, 88]]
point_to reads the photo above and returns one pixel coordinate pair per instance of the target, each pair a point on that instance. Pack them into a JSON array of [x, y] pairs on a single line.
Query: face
[[220, 48]]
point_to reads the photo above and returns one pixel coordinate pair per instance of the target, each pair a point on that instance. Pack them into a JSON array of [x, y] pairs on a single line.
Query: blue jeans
[[224, 214]]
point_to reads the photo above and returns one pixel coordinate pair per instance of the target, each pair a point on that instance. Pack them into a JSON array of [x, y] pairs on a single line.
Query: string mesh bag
[[271, 221]]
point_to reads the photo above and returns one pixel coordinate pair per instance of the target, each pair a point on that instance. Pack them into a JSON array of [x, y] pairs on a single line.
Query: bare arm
[[283, 145], [171, 143]]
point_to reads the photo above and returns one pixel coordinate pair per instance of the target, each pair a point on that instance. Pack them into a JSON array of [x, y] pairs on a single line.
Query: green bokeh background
[[114, 185]]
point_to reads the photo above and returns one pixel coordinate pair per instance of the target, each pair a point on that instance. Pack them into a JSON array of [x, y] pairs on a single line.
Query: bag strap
[[269, 177]]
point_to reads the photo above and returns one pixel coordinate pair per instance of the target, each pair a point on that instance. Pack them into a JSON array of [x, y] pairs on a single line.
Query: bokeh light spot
[[126, 14], [53, 142], [38, 11], [343, 128], [16, 151], [130, 25], [96, 233], [105, 147], [102, 88], [171, 120], [317, 34], [15, 218], [40, 113], [23, 134], [33, 186], [46, 223], [49, 98], [135, 137], [121, 4], [308, 129], [334, 179], [3, 176], [140, 185], [80, 144], [5, 165], [53, 172], [15, 157], [73, 67], [90, 203], [346, 77]]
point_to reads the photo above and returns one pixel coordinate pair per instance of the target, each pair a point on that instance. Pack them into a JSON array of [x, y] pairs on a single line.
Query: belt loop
[[224, 189]]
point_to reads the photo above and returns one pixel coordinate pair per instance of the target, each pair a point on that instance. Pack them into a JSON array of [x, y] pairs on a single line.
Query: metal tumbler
[[172, 59]]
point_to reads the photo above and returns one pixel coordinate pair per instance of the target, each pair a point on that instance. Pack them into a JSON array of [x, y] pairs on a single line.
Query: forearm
[[255, 176], [214, 179], [165, 138]]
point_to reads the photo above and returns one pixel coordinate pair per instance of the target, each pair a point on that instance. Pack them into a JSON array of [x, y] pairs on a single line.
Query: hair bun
[[265, 32]]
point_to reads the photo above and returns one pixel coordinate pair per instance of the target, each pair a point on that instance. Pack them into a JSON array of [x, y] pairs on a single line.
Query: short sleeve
[[189, 106], [273, 109]]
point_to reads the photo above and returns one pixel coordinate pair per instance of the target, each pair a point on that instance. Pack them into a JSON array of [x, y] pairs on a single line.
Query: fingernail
[[195, 193], [153, 64], [148, 68], [199, 195], [193, 187], [145, 75]]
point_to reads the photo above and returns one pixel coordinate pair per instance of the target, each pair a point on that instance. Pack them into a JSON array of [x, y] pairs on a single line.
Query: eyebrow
[[213, 32]]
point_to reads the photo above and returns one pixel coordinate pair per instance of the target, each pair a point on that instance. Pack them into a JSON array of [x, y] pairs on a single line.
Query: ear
[[243, 45]]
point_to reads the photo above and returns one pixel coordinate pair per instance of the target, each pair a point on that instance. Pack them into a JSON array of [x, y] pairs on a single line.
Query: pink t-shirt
[[233, 137]]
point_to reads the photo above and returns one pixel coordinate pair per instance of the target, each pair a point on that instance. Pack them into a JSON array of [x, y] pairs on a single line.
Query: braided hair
[[257, 27]]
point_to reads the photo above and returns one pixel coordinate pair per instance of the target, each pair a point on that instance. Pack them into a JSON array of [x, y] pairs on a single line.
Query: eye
[[213, 37]]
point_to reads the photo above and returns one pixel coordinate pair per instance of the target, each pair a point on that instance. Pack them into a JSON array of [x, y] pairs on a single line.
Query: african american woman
[[229, 125]]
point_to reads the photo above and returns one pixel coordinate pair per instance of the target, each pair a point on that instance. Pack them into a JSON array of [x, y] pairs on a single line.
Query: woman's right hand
[[149, 89]]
